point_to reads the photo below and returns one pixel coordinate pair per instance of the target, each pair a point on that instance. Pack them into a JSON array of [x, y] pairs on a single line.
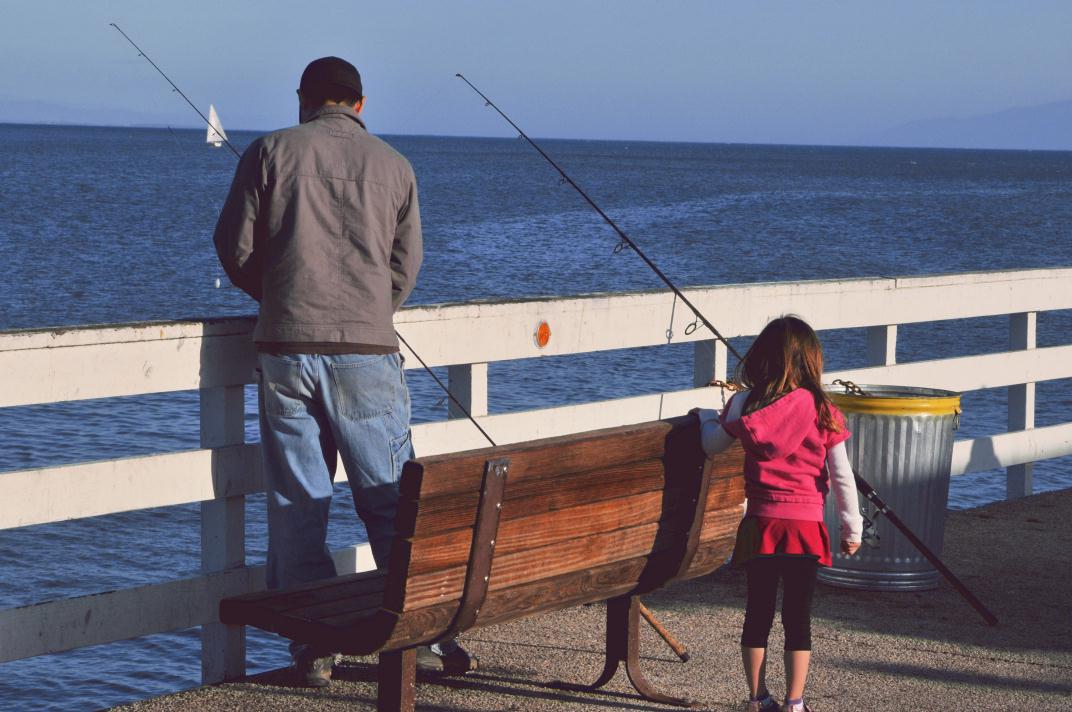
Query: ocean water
[[105, 225]]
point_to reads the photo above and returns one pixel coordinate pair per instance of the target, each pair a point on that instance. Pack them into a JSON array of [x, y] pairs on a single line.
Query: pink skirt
[[767, 536]]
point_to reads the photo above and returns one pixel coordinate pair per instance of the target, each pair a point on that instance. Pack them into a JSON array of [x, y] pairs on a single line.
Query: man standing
[[322, 228]]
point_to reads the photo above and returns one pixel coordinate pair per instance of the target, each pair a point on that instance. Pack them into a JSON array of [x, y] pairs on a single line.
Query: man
[[322, 228]]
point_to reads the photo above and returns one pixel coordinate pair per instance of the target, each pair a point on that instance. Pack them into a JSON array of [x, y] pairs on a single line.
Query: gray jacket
[[322, 227]]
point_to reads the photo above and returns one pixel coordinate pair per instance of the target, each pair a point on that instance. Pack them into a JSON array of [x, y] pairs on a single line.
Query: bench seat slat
[[305, 628], [435, 515], [575, 588], [594, 450], [719, 522], [532, 532], [432, 515], [544, 562], [325, 589], [324, 609]]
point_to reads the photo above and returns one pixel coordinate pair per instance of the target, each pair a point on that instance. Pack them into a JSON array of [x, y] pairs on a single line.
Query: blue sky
[[783, 72]]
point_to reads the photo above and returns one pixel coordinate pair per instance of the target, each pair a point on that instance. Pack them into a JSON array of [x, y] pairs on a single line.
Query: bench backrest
[[583, 518]]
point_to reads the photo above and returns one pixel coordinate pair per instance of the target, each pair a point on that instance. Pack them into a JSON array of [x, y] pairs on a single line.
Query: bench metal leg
[[623, 646], [397, 685]]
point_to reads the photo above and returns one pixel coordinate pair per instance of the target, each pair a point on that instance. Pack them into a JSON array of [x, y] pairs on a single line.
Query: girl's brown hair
[[785, 356]]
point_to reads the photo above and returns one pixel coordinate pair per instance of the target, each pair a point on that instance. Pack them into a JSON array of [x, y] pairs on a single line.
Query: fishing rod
[[626, 241], [882, 508], [461, 407], [666, 636], [174, 87], [865, 488]]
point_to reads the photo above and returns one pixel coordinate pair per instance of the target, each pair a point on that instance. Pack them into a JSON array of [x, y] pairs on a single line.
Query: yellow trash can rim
[[893, 400]]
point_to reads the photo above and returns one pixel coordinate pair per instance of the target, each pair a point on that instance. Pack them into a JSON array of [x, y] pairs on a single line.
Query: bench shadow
[[507, 687]]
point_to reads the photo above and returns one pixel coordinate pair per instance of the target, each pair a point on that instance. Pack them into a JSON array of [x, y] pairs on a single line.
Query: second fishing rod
[[427, 368], [864, 487], [626, 241], [672, 642]]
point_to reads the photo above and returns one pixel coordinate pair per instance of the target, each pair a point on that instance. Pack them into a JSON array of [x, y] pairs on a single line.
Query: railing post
[[223, 544], [1022, 335], [882, 345], [469, 384], [709, 362]]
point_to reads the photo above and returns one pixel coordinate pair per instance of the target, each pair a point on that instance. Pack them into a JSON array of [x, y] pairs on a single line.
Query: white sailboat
[[215, 134]]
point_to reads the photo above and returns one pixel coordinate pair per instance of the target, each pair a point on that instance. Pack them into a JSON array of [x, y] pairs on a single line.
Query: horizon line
[[162, 127]]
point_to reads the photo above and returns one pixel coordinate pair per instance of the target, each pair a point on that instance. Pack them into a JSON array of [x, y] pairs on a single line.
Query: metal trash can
[[902, 444]]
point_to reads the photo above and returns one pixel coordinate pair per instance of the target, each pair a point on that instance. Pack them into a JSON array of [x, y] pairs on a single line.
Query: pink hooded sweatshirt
[[785, 456]]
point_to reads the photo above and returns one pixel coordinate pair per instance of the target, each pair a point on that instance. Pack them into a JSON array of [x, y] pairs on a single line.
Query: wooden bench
[[492, 535]]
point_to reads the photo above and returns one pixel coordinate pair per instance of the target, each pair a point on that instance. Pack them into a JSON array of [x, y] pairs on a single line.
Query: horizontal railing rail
[[216, 357]]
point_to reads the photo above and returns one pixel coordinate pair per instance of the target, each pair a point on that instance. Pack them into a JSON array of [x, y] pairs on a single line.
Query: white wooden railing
[[217, 358]]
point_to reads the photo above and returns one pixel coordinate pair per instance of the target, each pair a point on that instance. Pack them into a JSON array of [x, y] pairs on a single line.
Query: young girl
[[794, 443]]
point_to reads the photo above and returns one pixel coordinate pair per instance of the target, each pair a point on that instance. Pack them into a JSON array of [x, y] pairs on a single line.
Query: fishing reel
[[870, 533]]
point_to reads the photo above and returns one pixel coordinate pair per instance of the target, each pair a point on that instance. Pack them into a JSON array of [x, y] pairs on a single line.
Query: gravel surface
[[908, 651]]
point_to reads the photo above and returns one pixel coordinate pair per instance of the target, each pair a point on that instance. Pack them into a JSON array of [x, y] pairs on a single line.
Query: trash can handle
[[850, 387]]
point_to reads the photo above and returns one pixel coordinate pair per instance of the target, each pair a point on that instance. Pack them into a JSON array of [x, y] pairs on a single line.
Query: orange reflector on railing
[[542, 335]]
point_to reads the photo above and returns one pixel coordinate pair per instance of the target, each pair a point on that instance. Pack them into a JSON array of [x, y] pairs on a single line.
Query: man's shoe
[[445, 659], [310, 670]]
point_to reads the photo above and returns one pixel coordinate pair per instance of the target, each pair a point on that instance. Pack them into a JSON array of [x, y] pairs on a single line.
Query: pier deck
[[914, 651]]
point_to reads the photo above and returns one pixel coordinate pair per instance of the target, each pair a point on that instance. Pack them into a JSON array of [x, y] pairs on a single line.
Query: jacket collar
[[331, 110]]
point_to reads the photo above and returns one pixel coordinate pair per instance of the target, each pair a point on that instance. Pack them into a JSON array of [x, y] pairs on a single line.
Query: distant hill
[[1047, 126]]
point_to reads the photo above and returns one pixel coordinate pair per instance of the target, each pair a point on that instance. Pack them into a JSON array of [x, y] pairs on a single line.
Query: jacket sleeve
[[843, 485], [407, 250], [237, 229]]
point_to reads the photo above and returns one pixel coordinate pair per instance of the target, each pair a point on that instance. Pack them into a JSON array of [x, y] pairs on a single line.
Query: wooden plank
[[445, 334], [970, 373], [534, 564], [592, 450], [584, 585], [368, 633], [1014, 448], [363, 604], [451, 549], [589, 585], [75, 491], [312, 592], [50, 365], [434, 515], [721, 522], [725, 492], [711, 555], [107, 370], [55, 626]]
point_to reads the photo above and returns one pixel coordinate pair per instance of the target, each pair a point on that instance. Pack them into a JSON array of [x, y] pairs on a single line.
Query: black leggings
[[798, 586]]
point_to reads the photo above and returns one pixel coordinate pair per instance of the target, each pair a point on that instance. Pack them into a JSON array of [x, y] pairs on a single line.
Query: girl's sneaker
[[764, 704], [798, 707]]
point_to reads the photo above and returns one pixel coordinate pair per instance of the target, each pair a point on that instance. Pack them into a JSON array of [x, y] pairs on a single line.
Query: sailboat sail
[[215, 134]]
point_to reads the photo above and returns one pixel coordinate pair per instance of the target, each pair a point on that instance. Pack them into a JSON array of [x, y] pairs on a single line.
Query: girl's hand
[[848, 548]]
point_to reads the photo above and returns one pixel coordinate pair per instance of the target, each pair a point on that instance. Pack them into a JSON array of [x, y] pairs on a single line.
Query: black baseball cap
[[329, 72]]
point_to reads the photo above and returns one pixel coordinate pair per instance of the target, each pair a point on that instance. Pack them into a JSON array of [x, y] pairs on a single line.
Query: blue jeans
[[312, 405]]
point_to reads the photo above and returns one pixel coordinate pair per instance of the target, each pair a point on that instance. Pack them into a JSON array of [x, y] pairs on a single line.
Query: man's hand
[[848, 548]]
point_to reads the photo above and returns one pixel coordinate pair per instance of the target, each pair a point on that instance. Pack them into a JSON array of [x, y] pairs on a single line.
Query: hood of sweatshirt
[[776, 430]]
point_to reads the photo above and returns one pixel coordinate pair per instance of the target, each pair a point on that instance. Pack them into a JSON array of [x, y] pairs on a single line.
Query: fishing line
[[161, 71], [624, 240], [238, 155]]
